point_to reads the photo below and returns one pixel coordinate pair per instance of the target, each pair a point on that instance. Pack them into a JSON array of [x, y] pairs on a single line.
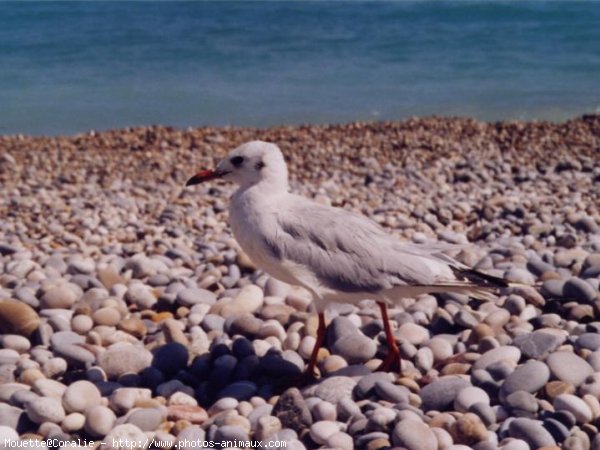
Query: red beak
[[205, 175]]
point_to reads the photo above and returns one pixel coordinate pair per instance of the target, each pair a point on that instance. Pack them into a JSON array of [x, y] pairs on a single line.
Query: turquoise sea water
[[68, 67]]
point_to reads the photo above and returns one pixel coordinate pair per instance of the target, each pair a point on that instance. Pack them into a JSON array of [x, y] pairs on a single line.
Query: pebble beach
[[129, 312]]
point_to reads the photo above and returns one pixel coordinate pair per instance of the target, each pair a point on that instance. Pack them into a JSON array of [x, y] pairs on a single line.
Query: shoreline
[[366, 122]]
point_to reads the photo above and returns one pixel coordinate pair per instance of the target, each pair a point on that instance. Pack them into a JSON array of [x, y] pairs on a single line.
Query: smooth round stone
[[73, 422], [80, 395], [441, 393], [120, 359], [17, 317], [133, 326], [521, 403], [224, 404], [81, 265], [276, 288], [140, 295], [240, 390], [391, 392], [531, 431], [321, 431], [504, 353], [61, 296], [82, 323], [469, 428], [247, 301], [485, 412], [106, 316], [469, 396], [171, 358], [189, 413], [340, 440], [140, 266], [381, 417], [16, 342], [576, 406], [7, 390], [529, 377], [424, 359], [124, 399], [8, 356], [517, 275], [10, 415], [54, 367], [66, 338], [590, 341], [7, 434], [412, 333], [579, 290], [168, 388], [333, 363], [267, 426], [347, 409], [245, 324], [441, 348], [129, 433], [324, 411], [413, 435], [553, 288], [193, 296], [306, 346], [181, 398], [213, 322], [146, 419], [569, 367], [74, 354], [49, 388], [45, 409]]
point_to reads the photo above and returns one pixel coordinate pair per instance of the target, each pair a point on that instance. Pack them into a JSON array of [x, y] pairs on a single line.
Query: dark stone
[[171, 358], [292, 411]]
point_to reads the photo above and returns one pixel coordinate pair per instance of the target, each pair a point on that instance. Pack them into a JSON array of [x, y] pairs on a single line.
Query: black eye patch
[[237, 161]]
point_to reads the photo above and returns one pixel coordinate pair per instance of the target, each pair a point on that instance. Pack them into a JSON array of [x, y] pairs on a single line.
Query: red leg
[[392, 359], [310, 370]]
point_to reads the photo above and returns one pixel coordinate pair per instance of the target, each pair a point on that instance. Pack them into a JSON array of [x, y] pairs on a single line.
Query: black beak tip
[[192, 181]]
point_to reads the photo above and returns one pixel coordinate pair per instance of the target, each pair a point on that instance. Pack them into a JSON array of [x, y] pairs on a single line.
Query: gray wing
[[350, 253]]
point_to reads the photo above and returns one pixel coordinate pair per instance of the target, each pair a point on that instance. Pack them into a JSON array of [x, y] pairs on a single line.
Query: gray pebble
[[45, 409], [146, 419], [413, 435], [120, 359], [569, 367], [99, 420], [580, 290], [529, 377], [531, 431], [441, 393], [391, 392], [192, 296]]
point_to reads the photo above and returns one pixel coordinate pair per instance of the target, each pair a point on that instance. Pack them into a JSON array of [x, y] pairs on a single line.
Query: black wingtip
[[481, 278]]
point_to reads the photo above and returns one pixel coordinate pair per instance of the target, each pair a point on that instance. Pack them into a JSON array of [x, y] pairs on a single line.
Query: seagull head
[[249, 164]]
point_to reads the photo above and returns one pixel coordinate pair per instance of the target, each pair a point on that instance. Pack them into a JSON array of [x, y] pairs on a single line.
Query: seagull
[[336, 254]]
